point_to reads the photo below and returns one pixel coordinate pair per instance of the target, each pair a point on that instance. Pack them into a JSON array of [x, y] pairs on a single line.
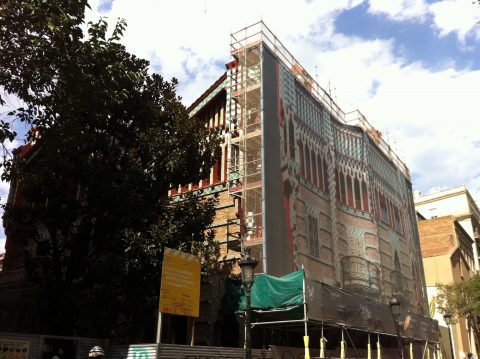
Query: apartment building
[[449, 227], [456, 202]]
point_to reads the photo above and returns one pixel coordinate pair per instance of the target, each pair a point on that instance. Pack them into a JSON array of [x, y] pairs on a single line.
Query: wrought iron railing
[[360, 275]]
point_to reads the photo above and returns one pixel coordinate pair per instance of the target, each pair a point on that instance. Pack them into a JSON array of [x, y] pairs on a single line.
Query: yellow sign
[[180, 289], [12, 349]]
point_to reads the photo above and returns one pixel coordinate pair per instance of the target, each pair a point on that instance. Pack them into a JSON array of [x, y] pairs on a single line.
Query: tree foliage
[[462, 299], [110, 140]]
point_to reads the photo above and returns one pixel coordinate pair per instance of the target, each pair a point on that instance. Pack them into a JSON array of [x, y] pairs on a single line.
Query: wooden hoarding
[[180, 288]]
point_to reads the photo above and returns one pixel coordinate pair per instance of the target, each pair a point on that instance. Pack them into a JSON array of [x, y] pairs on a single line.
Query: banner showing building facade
[[12, 349], [180, 288]]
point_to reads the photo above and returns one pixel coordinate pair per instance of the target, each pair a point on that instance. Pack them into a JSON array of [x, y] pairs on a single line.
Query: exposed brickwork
[[437, 236]]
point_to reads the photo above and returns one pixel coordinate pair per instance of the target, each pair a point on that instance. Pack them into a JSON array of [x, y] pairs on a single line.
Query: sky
[[412, 67]]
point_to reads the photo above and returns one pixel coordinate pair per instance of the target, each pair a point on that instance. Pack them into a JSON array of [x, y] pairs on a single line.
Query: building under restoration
[[321, 190]]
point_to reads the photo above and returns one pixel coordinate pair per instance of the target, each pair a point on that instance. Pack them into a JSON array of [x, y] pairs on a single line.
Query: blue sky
[[414, 40], [412, 67]]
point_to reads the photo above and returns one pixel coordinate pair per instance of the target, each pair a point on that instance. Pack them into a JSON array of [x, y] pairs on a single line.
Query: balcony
[[360, 276]]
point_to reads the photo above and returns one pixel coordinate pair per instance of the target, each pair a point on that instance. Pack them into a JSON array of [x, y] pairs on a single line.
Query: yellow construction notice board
[[13, 349], [180, 288]]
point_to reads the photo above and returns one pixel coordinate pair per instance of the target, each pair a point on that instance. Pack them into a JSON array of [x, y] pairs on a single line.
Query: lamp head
[[447, 316], [395, 307], [247, 265]]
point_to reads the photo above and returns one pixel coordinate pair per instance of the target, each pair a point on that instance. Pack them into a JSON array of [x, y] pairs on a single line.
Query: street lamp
[[447, 316], [247, 265], [395, 309]]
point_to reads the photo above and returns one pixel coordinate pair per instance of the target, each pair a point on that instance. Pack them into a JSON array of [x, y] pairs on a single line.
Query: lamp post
[[247, 265], [447, 316], [395, 308]]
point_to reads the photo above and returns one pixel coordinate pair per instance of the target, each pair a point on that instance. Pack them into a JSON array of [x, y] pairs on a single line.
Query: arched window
[[308, 173], [302, 162], [349, 191], [383, 208], [343, 194], [358, 200], [337, 185], [313, 159], [325, 175], [320, 172], [291, 139], [365, 197]]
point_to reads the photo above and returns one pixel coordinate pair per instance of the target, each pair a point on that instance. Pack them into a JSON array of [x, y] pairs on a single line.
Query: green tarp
[[269, 292]]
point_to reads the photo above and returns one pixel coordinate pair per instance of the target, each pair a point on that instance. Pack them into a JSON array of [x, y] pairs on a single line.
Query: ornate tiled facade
[[325, 193]]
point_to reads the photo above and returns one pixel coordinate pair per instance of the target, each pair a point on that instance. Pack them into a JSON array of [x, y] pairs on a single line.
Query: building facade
[[303, 185], [321, 189], [457, 202], [450, 255], [447, 257], [18, 303]]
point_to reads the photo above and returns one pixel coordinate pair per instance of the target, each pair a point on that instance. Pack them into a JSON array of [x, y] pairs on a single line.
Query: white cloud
[[456, 16], [2, 245], [400, 10], [460, 17], [161, 30], [427, 115]]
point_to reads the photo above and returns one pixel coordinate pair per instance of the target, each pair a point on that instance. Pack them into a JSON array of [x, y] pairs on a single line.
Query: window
[[349, 191], [398, 223], [320, 172], [308, 174], [313, 159], [313, 236], [302, 163], [358, 200], [365, 197], [217, 167], [383, 208], [337, 185], [325, 175], [291, 139], [343, 196]]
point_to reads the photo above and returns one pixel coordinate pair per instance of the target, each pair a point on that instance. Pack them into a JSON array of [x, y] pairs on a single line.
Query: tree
[[110, 140], [462, 299]]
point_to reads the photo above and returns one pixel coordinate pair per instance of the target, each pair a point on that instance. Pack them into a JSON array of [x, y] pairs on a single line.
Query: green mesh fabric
[[269, 292]]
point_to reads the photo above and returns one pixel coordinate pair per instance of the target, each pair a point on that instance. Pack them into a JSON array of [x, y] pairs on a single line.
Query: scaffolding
[[246, 49], [245, 144]]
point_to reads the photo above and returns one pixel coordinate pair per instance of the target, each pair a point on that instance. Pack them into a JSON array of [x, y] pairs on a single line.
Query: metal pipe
[[399, 339], [159, 327], [304, 304], [278, 322], [248, 327]]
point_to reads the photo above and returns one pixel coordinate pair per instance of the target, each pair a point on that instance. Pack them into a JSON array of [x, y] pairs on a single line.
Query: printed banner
[[12, 349], [180, 288]]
